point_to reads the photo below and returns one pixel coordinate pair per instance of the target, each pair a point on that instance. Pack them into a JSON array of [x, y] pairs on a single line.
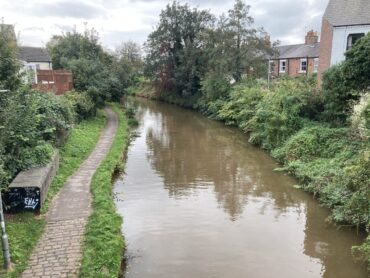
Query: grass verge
[[25, 229], [104, 244]]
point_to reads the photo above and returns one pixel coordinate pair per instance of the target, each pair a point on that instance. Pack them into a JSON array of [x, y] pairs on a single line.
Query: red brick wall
[[293, 66], [57, 81], [325, 48]]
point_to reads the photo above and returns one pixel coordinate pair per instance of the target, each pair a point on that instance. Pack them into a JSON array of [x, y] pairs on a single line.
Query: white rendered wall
[[33, 67], [41, 65], [340, 35]]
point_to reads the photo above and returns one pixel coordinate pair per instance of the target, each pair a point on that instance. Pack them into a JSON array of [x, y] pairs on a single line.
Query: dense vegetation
[[320, 136]]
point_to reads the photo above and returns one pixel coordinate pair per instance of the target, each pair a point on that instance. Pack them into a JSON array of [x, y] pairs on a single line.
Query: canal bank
[[103, 241], [199, 201]]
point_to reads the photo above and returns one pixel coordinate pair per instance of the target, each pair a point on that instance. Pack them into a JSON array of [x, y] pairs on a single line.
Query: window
[[353, 38], [282, 66], [303, 67], [315, 65]]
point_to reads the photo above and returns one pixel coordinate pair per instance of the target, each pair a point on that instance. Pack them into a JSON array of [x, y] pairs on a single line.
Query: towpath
[[59, 251]]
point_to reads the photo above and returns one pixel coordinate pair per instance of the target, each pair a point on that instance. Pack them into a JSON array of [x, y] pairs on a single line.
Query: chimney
[[311, 38]]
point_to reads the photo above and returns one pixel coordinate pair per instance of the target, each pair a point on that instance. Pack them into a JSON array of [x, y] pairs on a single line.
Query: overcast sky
[[121, 20]]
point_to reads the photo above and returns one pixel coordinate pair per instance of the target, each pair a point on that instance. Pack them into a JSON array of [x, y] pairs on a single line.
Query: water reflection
[[199, 201], [189, 151]]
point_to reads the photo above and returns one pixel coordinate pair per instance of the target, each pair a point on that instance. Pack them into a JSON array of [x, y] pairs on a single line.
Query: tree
[[243, 47], [128, 62], [356, 67], [9, 64], [83, 54], [175, 59]]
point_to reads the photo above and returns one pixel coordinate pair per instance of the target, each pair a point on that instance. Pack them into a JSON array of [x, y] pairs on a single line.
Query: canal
[[199, 201]]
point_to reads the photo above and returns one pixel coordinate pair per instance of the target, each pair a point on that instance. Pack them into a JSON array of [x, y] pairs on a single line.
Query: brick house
[[344, 22], [33, 59], [38, 68], [296, 60]]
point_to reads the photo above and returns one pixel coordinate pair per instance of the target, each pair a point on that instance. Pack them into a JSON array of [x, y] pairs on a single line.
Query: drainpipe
[[307, 67]]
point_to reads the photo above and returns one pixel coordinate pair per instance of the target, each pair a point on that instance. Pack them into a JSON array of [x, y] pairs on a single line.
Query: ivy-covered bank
[[25, 229], [104, 243]]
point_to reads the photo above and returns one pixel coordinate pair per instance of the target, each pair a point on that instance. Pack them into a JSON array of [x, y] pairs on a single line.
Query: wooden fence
[[57, 81]]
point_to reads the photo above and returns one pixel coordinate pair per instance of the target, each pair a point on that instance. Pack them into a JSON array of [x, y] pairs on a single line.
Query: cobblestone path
[[59, 251]]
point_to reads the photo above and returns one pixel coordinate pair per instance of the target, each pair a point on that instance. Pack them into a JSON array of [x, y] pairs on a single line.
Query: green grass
[[104, 243], [80, 144], [25, 229]]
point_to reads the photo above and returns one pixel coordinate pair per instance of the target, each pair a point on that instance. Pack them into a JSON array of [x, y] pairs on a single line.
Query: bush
[[349, 193], [31, 123], [280, 114], [97, 96], [56, 117], [313, 141], [343, 85], [356, 67], [82, 103], [360, 118], [241, 106], [362, 253], [215, 90], [334, 166], [337, 97]]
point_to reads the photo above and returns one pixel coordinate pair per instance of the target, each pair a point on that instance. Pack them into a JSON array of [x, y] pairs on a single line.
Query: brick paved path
[[58, 252]]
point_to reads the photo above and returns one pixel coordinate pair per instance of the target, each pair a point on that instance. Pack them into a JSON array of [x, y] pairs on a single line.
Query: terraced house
[[344, 23], [297, 60]]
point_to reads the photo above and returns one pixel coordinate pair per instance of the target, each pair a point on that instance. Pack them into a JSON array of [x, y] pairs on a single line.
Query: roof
[[9, 30], [298, 51], [34, 54], [348, 12]]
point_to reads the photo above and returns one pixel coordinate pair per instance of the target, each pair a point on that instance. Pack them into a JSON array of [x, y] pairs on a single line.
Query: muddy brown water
[[199, 201]]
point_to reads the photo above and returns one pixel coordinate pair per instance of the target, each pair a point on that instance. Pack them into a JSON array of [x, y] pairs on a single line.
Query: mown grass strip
[[25, 229], [104, 243]]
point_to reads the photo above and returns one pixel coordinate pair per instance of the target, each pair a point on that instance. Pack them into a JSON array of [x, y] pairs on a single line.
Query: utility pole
[[4, 238]]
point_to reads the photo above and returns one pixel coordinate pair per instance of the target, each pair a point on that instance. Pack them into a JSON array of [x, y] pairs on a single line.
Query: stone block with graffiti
[[29, 189]]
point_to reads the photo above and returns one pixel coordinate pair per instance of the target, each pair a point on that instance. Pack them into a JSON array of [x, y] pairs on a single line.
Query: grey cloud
[[34, 28], [64, 28], [115, 38], [285, 20], [290, 18], [63, 9]]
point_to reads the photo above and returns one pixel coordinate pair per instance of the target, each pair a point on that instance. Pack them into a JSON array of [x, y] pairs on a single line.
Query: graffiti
[[30, 203], [22, 198]]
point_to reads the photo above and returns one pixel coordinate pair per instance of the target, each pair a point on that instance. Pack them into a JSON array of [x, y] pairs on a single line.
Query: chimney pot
[[311, 37]]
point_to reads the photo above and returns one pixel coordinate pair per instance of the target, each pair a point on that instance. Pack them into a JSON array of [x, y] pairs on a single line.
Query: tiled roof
[[33, 54], [298, 51], [348, 12]]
